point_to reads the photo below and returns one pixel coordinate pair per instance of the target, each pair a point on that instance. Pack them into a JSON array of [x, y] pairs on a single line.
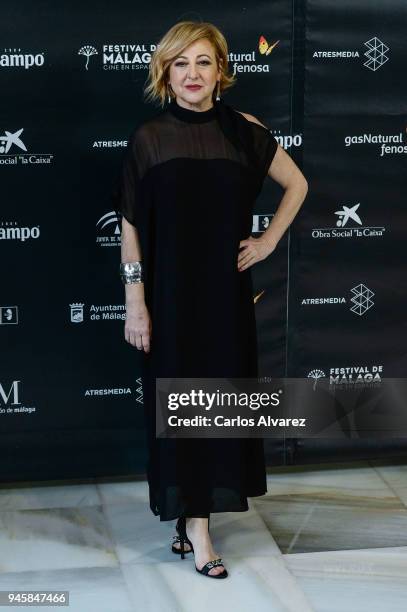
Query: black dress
[[188, 184]]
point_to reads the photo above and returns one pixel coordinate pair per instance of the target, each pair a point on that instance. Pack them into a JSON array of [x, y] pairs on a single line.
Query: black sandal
[[178, 538], [181, 528]]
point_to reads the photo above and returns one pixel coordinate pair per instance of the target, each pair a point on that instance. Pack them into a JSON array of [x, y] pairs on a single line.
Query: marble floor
[[326, 538]]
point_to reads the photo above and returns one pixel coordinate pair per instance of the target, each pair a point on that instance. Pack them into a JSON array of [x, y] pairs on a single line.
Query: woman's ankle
[[197, 523]]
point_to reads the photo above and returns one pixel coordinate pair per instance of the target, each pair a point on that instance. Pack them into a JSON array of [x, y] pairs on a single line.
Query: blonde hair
[[172, 44]]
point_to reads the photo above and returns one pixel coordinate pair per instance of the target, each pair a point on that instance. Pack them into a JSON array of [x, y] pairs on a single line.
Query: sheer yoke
[[188, 183]]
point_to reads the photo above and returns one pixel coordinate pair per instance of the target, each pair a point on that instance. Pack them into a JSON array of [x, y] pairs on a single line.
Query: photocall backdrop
[[327, 79]]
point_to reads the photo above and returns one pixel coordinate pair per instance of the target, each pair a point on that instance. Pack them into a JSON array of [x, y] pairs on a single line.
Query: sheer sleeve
[[126, 193], [265, 147], [257, 140]]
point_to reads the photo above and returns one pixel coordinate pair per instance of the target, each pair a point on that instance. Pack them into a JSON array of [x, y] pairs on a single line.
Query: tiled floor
[[325, 538]]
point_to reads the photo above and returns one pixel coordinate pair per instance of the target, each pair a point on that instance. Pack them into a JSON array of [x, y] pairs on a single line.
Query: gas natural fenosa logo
[[247, 62], [265, 47], [388, 144]]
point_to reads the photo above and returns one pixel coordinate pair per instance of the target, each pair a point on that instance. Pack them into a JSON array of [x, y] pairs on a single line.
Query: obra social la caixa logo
[[348, 225], [128, 56], [11, 145]]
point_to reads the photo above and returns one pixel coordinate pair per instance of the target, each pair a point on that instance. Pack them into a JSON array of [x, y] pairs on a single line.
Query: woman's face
[[193, 75]]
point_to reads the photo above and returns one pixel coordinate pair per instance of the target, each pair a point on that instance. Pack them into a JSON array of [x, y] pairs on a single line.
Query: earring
[[169, 97], [218, 92]]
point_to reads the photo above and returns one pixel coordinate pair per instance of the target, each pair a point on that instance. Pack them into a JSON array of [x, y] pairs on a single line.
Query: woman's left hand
[[255, 249]]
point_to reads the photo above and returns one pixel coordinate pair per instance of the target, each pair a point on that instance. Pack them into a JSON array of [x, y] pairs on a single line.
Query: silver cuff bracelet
[[131, 272]]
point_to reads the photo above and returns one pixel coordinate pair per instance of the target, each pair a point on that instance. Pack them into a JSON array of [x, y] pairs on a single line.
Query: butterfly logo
[[264, 47]]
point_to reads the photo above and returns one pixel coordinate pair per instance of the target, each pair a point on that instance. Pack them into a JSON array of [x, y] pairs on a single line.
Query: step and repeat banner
[[327, 80], [347, 294]]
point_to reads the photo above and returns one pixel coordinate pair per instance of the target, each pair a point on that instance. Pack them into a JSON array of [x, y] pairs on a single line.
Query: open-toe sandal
[[183, 538]]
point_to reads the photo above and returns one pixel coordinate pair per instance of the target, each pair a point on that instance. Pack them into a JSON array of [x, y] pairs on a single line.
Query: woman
[[189, 180]]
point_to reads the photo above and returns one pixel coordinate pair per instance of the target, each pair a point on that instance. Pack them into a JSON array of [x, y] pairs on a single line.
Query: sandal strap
[[208, 566], [178, 538]]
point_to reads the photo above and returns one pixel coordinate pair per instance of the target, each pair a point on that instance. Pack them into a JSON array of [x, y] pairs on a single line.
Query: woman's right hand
[[138, 326]]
